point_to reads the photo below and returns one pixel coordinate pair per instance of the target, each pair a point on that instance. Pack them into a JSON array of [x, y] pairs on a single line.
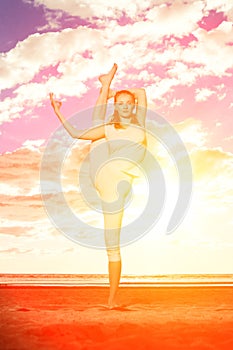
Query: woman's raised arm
[[93, 134]]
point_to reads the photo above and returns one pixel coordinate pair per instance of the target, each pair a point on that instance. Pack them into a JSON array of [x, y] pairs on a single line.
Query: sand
[[151, 318]]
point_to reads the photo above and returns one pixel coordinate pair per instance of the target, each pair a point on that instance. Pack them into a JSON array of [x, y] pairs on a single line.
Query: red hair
[[116, 118]]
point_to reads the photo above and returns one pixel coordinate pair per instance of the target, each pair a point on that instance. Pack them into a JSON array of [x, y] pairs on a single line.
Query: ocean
[[72, 280]]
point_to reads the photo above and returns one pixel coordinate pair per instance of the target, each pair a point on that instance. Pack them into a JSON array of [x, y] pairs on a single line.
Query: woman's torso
[[122, 148]]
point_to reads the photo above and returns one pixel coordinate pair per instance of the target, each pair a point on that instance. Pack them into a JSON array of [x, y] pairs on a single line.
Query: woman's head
[[124, 102]]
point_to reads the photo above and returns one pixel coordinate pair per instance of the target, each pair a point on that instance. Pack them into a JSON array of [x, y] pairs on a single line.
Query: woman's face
[[124, 105]]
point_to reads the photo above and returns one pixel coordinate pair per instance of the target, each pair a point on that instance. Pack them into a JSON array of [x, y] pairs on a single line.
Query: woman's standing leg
[[112, 226]]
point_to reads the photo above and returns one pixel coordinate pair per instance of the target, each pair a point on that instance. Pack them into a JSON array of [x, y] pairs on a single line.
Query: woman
[[125, 135]]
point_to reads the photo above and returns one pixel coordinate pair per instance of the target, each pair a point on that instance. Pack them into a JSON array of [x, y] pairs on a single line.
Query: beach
[[150, 318]]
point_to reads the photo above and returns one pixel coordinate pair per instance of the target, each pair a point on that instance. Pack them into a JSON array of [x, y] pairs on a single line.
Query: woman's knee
[[114, 255]]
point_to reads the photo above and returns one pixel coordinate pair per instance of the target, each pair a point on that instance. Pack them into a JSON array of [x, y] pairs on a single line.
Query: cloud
[[60, 62], [157, 90], [212, 167], [22, 63], [192, 133], [176, 102], [31, 56], [20, 192], [22, 208], [213, 171], [15, 251], [33, 144], [177, 19], [220, 6], [53, 21], [36, 251], [17, 231], [203, 94], [99, 8], [181, 71], [212, 50], [10, 109], [21, 172], [44, 50]]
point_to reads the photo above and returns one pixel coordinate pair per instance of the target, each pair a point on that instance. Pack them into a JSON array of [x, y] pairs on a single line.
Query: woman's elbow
[[142, 90]]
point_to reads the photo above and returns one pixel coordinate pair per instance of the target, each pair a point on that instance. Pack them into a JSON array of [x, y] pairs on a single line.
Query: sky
[[181, 53]]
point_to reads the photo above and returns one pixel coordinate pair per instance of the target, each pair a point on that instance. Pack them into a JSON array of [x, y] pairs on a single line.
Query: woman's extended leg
[[105, 92]]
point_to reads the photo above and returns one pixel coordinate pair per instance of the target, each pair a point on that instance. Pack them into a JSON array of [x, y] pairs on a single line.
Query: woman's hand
[[54, 103]]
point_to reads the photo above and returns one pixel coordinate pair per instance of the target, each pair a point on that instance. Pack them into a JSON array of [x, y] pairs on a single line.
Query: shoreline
[[122, 285]]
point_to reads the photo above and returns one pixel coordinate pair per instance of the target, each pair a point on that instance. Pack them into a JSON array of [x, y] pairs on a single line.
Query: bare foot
[[113, 304], [106, 79]]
